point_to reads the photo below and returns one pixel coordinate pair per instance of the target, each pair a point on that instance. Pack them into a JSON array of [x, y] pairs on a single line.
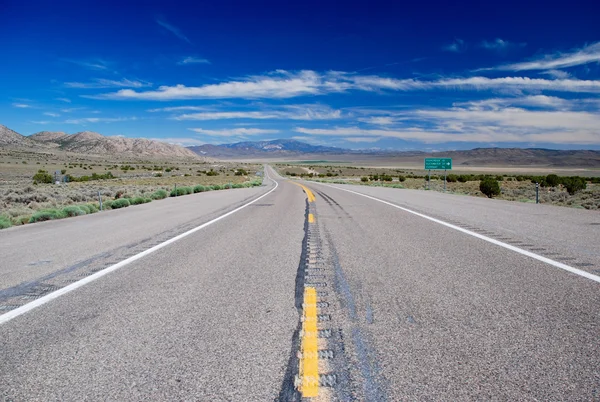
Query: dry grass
[[20, 198], [512, 190]]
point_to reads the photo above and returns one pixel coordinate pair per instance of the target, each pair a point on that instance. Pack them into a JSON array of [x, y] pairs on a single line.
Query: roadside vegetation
[[564, 190], [28, 193]]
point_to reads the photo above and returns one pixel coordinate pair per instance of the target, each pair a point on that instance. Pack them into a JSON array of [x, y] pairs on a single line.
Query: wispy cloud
[[71, 109], [51, 114], [180, 109], [86, 120], [193, 60], [104, 83], [94, 64], [21, 105], [500, 45], [289, 112], [282, 84], [457, 46], [488, 121], [173, 29], [559, 60], [560, 74], [66, 100], [234, 132]]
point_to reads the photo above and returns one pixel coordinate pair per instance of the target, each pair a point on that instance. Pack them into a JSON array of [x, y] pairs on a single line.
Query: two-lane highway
[[312, 290]]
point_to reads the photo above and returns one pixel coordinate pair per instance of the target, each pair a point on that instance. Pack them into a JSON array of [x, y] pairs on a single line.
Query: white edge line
[[4, 318], [482, 237]]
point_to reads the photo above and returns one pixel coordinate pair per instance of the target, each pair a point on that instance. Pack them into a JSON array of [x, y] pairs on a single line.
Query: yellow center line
[[309, 194], [309, 361], [311, 218]]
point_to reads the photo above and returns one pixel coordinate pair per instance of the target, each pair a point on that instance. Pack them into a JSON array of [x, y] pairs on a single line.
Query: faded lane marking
[[527, 253], [309, 353], [309, 194], [311, 218], [4, 318]]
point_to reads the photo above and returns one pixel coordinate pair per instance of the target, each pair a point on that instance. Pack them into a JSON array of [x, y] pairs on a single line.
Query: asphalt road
[[408, 308]]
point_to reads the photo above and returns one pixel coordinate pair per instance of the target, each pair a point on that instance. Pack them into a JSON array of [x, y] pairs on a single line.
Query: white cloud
[[86, 120], [179, 109], [378, 120], [51, 114], [557, 74], [41, 122], [486, 123], [362, 139], [500, 44], [71, 109], [173, 29], [457, 46], [225, 115], [585, 55], [278, 85], [104, 83], [290, 112], [66, 100], [283, 84], [234, 132], [95, 64], [193, 60], [21, 105]]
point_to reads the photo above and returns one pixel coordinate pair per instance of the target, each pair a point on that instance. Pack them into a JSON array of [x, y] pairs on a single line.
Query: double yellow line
[[309, 194]]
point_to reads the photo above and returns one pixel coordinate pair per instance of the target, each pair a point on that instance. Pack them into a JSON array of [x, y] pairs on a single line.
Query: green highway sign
[[438, 163]]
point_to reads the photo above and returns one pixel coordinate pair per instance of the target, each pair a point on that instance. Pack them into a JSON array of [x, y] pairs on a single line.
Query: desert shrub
[[199, 189], [42, 176], [74, 210], [216, 187], [137, 201], [489, 186], [120, 203], [552, 180], [5, 222], [227, 186], [574, 184], [181, 191], [364, 179], [452, 178], [87, 208], [238, 185], [21, 220], [159, 195], [241, 172], [212, 173], [47, 215]]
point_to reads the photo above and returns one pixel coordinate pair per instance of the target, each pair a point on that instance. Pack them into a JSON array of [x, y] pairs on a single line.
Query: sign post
[[444, 164]]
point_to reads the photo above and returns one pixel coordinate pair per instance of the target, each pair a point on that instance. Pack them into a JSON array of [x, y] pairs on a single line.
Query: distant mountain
[[88, 142], [278, 149], [275, 148]]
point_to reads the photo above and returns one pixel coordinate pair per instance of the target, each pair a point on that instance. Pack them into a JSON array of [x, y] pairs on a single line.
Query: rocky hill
[[10, 138], [88, 142]]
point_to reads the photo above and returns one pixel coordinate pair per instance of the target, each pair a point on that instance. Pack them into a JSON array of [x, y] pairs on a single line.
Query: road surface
[[272, 293]]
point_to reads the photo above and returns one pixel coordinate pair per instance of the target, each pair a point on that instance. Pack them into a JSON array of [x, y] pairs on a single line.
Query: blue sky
[[427, 75]]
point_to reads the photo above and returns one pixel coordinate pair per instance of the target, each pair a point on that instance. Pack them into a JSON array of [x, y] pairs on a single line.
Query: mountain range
[[291, 149], [88, 142]]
